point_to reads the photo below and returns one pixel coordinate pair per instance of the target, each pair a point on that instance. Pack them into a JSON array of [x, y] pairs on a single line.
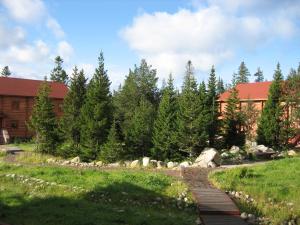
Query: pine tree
[[220, 86], [71, 120], [190, 132], [250, 117], [212, 107], [112, 150], [58, 74], [97, 111], [243, 74], [269, 127], [5, 72], [233, 121], [259, 75], [43, 122], [165, 126], [234, 81]]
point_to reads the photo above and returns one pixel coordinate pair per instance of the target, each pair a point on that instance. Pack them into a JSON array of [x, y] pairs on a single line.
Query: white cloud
[[25, 10], [10, 36], [210, 34], [55, 27], [65, 50]]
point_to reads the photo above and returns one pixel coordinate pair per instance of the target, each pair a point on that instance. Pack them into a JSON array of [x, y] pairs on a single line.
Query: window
[[14, 124], [15, 105]]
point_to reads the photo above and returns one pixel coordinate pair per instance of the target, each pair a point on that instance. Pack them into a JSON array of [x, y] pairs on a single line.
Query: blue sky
[[167, 33]]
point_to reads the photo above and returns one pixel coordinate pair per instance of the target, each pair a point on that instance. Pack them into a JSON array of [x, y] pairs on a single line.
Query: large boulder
[[135, 163], [171, 165], [262, 151], [153, 163], [75, 160], [160, 164], [146, 161], [99, 163], [234, 149], [208, 155], [184, 164], [291, 153]]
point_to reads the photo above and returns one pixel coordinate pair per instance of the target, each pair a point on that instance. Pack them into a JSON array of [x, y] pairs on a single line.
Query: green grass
[[272, 186], [26, 146], [66, 196]]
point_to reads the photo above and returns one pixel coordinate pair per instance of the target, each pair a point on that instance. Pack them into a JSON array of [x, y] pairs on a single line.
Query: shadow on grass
[[119, 203]]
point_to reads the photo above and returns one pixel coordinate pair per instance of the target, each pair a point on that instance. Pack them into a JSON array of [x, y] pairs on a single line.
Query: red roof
[[29, 88], [252, 91]]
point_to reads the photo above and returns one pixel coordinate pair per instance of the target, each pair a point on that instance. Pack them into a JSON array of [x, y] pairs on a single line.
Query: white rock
[[50, 160], [225, 155], [153, 163], [211, 164], [184, 164], [75, 160], [292, 153], [206, 156], [244, 216], [99, 163], [234, 149], [135, 163], [146, 161], [66, 162], [171, 165], [160, 164]]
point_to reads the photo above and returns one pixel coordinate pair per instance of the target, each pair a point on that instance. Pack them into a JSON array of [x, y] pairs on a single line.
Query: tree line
[[139, 119]]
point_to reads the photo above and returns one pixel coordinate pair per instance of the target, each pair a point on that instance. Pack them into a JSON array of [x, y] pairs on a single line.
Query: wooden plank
[[222, 220]]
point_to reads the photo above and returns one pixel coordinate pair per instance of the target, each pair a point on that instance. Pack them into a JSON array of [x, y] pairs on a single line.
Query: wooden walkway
[[215, 207]]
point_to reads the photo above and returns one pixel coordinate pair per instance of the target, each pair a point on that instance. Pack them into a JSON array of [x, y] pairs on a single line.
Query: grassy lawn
[[26, 146], [57, 196], [275, 186]]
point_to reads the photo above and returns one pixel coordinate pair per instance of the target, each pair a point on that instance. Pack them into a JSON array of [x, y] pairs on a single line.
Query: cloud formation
[[211, 33]]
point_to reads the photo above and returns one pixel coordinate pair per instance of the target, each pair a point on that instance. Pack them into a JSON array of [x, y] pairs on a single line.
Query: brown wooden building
[[17, 97]]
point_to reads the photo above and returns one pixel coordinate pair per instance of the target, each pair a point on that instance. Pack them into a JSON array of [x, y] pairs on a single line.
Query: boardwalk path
[[215, 207]]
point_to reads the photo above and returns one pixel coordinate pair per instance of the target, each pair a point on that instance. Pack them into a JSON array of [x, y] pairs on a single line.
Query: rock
[[244, 216], [211, 164], [251, 219], [160, 164], [171, 165], [184, 164], [127, 163], [66, 162], [50, 160], [75, 160], [262, 151], [135, 163], [153, 163], [198, 221], [234, 149], [99, 163], [146, 161], [292, 153], [206, 156], [92, 164]]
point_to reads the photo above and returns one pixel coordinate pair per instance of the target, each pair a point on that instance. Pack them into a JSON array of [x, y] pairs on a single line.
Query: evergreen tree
[[97, 111], [112, 150], [139, 134], [212, 107], [259, 75], [165, 126], [72, 112], [243, 74], [58, 74], [43, 122], [190, 133], [250, 115], [220, 86], [234, 81], [233, 121], [5, 72], [269, 127]]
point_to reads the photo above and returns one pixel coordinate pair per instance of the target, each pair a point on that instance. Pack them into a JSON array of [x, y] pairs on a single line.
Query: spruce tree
[[43, 122], [58, 74], [165, 126], [259, 75], [212, 107], [243, 74], [190, 133], [71, 121], [233, 121], [269, 127], [112, 150], [97, 111], [5, 72], [220, 86]]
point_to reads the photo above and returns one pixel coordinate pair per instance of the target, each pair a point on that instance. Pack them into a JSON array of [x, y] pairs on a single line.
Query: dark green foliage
[[165, 125], [58, 74], [220, 86], [243, 74], [136, 102], [270, 124], [43, 122], [5, 72], [96, 112], [233, 121], [112, 150], [250, 116], [71, 121], [259, 76], [212, 107], [192, 134]]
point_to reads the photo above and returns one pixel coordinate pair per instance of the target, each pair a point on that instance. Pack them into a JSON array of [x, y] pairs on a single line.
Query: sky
[[167, 33]]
